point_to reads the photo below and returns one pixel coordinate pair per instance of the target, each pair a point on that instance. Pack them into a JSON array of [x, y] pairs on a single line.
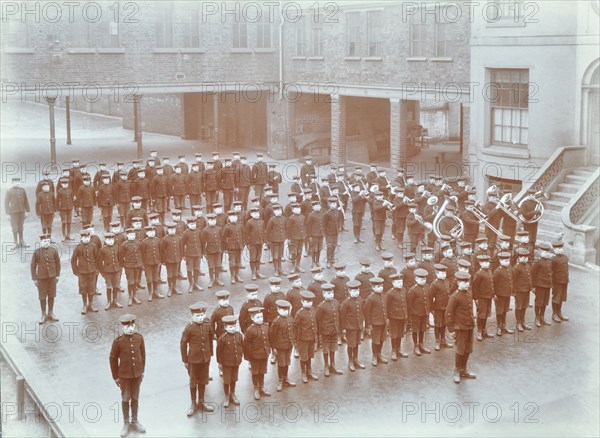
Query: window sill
[[264, 50], [19, 50], [109, 50], [417, 59], [81, 51], [441, 59], [506, 152], [373, 58], [166, 50], [240, 50], [299, 58], [315, 58], [352, 58], [192, 50]]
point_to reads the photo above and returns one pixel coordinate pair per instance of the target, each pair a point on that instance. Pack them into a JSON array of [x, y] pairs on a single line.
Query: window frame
[[379, 47], [165, 29], [500, 104]]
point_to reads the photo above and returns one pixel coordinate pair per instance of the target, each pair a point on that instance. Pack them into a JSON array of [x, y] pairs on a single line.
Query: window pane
[[497, 133], [497, 113], [524, 118], [524, 136]]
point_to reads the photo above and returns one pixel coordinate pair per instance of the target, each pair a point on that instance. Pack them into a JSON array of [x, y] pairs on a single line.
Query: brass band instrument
[[341, 206], [504, 205], [539, 208], [457, 231], [481, 216], [426, 225]]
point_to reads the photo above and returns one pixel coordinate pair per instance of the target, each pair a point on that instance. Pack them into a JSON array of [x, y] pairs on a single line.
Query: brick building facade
[[350, 80]]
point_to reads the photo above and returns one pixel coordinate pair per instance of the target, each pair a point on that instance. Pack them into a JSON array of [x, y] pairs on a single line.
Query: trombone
[[504, 205], [481, 216]]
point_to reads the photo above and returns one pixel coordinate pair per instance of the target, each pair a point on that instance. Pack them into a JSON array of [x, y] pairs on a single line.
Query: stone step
[[575, 179], [554, 205], [546, 237], [582, 172], [561, 196], [551, 216], [551, 227], [568, 188]]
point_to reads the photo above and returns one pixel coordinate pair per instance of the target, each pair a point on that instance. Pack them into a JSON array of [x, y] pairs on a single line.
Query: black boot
[[126, 421]]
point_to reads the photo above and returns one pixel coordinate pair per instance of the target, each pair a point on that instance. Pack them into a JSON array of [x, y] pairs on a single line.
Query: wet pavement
[[542, 384]]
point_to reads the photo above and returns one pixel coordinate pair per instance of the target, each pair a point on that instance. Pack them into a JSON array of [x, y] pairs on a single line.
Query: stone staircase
[[550, 225]]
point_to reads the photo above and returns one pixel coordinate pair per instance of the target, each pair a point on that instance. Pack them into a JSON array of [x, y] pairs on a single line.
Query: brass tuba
[[539, 208], [457, 230]]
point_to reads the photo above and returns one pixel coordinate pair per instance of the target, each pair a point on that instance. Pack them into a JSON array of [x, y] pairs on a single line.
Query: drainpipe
[[281, 53]]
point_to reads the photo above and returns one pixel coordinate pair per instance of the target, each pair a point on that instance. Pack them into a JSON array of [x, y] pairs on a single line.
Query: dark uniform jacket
[[108, 261], [397, 304], [281, 332], [44, 203], [365, 284], [259, 173], [358, 203], [230, 349], [331, 222], [351, 314], [123, 191], [171, 249], [328, 319], [16, 201], [376, 309], [210, 180], [314, 224], [45, 263], [141, 187], [340, 290], [150, 249], [295, 227], [84, 258], [197, 342], [294, 298], [256, 342], [503, 281], [211, 240], [159, 188], [305, 325], [459, 313], [560, 269], [385, 274], [177, 184], [275, 231], [245, 320], [193, 182], [216, 319], [418, 301], [105, 197], [254, 232], [191, 243], [541, 273], [522, 278], [130, 255], [439, 294], [86, 196], [482, 285], [270, 306], [128, 357], [233, 237], [64, 199], [408, 277]]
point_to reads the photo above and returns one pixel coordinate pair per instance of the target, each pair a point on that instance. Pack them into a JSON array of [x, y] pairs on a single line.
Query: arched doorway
[[590, 93]]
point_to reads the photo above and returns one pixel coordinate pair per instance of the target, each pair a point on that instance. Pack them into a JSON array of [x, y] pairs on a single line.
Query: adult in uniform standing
[[45, 208], [45, 271], [331, 221], [254, 234], [296, 235], [352, 323], [16, 205], [211, 248], [171, 254], [376, 316], [196, 347], [397, 314], [127, 364], [83, 264], [541, 277], [418, 302], [560, 281], [459, 317], [440, 293], [110, 268]]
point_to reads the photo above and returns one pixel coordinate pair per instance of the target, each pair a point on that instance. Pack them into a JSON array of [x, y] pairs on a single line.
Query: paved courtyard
[[542, 384]]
